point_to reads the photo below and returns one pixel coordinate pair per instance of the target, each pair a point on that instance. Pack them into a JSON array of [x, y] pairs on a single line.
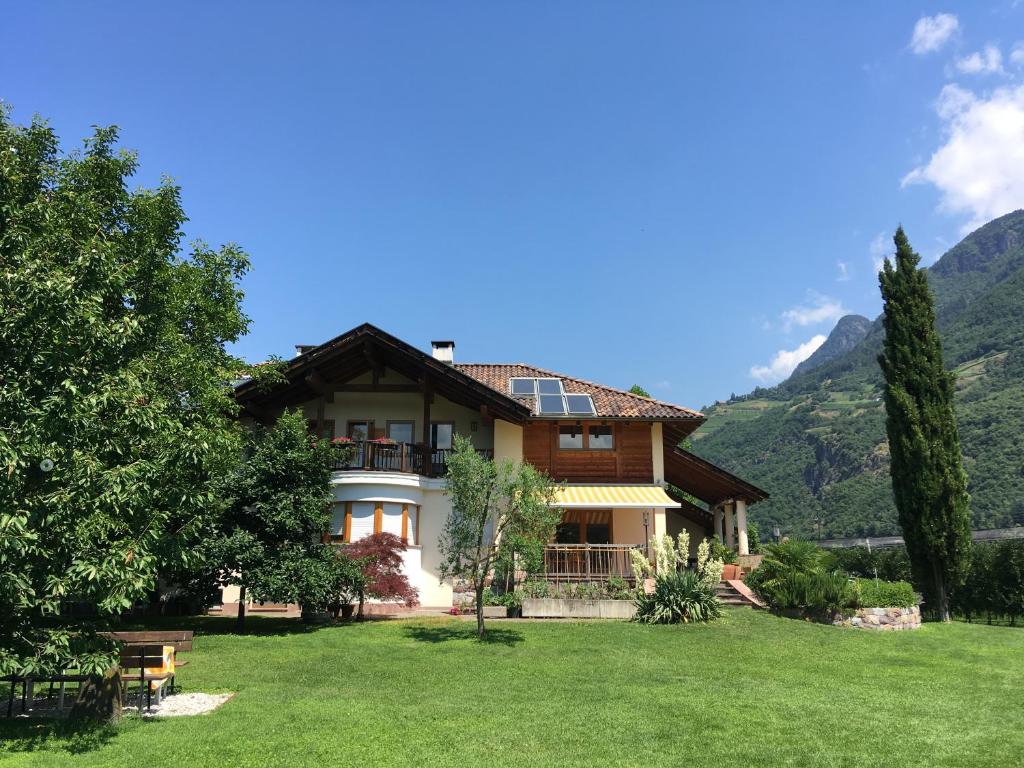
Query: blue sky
[[682, 197]]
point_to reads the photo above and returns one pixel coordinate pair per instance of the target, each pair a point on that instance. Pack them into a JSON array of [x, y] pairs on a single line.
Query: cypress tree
[[928, 479]]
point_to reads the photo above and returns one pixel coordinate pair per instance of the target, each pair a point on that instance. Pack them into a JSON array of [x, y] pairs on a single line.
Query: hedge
[[876, 593]]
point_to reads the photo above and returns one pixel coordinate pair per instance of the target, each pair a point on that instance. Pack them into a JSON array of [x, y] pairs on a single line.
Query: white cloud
[[820, 309], [979, 170], [844, 271], [785, 360], [933, 32], [879, 248], [1017, 54], [988, 61]]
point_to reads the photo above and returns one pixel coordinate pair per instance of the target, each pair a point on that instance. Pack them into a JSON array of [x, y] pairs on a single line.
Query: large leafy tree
[[280, 507], [116, 415], [928, 479], [490, 500]]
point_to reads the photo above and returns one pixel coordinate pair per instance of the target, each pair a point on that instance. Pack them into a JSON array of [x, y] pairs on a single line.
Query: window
[[414, 525], [570, 437], [363, 514], [391, 520], [328, 428], [600, 438], [568, 533], [401, 431], [441, 434]]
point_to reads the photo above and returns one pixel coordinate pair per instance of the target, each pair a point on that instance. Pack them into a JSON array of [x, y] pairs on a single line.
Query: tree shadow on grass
[[44, 734], [255, 626], [443, 633]]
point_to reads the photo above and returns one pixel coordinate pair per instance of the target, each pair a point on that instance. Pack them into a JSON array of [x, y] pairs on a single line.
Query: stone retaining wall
[[882, 618]]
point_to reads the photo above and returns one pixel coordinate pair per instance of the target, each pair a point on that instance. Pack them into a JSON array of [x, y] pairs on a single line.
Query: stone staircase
[[735, 592]]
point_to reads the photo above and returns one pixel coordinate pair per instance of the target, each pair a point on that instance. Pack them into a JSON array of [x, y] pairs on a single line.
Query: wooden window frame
[[585, 427], [410, 422], [328, 427], [583, 435], [370, 427], [432, 440], [586, 435]]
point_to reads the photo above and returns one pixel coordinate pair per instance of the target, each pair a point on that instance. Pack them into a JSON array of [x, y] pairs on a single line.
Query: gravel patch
[[187, 704]]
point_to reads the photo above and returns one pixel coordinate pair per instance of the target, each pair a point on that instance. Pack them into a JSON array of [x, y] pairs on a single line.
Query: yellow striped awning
[[612, 496]]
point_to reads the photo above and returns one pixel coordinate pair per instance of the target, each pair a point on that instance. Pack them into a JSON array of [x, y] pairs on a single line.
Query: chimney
[[301, 349], [443, 351]]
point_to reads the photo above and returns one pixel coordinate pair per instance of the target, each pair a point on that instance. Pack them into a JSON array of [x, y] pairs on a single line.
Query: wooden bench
[[135, 662], [181, 639]]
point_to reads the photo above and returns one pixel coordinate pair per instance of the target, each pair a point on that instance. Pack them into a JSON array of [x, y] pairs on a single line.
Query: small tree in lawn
[[928, 479], [280, 506], [490, 500], [380, 556]]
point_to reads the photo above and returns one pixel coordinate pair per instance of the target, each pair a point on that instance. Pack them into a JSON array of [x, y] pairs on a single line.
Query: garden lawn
[[747, 690]]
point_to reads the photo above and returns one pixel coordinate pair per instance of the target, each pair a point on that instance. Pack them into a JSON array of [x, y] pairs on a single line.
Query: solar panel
[[549, 386], [580, 404], [524, 386], [551, 405]]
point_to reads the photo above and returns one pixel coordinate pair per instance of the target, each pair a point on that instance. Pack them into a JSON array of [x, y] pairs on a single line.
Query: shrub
[[794, 575], [618, 588], [678, 596], [875, 593], [891, 564], [382, 576]]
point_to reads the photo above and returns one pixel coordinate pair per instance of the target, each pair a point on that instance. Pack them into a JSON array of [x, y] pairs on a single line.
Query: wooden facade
[[630, 460]]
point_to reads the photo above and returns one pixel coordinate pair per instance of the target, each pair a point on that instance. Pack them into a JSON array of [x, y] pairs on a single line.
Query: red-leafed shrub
[[383, 579]]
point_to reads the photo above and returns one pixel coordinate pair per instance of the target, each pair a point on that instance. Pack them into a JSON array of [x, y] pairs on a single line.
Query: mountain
[[848, 333], [817, 441]]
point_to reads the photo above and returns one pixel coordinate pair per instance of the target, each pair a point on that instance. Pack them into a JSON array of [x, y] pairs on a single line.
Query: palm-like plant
[[678, 596]]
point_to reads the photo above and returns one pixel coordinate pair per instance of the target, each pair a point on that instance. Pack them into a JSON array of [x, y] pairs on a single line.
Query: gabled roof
[[610, 403], [368, 348]]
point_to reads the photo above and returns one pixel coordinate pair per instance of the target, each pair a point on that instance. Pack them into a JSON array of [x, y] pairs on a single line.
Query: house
[[615, 454]]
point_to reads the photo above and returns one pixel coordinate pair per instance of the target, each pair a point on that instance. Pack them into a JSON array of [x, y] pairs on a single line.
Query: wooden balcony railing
[[588, 562], [373, 455]]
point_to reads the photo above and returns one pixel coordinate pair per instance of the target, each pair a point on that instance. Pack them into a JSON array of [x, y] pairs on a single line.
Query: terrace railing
[[386, 456], [588, 562]]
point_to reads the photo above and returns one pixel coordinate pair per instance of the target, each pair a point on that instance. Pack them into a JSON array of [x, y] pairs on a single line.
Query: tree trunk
[[99, 698], [240, 619], [480, 610], [942, 608], [362, 599]]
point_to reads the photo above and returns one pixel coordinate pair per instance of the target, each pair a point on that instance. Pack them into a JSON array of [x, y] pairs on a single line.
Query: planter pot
[[347, 611], [552, 608], [495, 611], [316, 617], [513, 611]]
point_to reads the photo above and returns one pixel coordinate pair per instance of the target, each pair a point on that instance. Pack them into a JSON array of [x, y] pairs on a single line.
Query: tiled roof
[[609, 402]]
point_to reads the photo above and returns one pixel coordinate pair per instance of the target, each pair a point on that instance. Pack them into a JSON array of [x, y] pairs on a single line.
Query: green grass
[[748, 690]]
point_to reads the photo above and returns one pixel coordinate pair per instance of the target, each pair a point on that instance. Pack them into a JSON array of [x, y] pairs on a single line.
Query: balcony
[[387, 456], [588, 562]]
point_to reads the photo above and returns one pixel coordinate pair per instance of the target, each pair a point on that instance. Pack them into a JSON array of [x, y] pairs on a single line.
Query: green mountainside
[[817, 442]]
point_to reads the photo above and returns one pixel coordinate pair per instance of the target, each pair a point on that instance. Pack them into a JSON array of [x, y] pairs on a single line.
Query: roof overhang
[[706, 481], [368, 348]]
